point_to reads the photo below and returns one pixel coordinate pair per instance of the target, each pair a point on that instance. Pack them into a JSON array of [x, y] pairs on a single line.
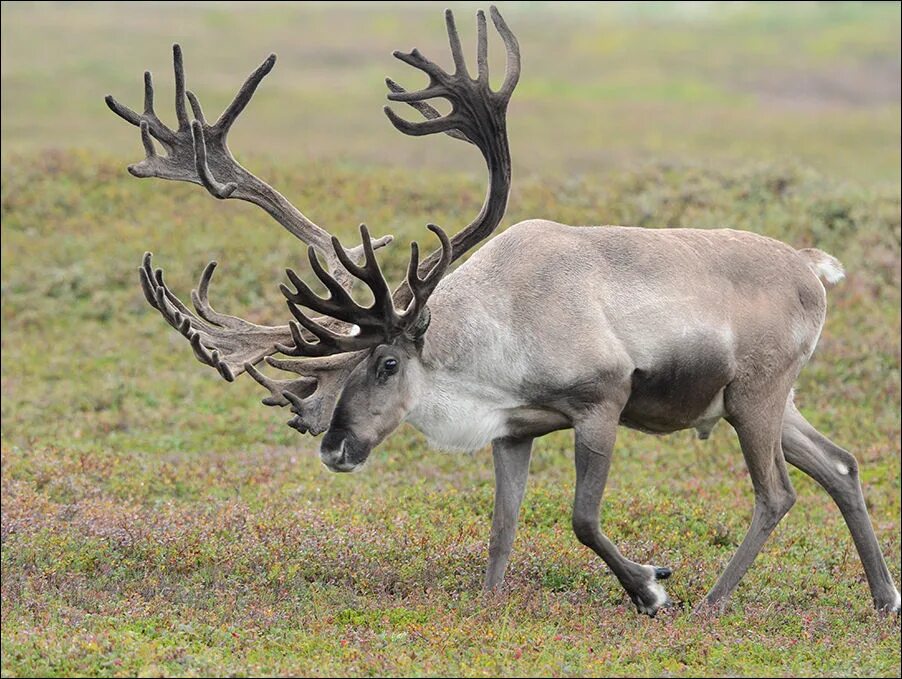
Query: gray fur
[[550, 327]]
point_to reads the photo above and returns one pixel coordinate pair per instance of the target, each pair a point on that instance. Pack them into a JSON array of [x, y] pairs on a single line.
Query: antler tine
[[207, 180], [427, 282], [512, 76], [422, 287], [196, 108], [147, 141], [201, 303], [244, 95], [122, 110], [460, 65], [178, 68], [224, 342], [416, 59], [148, 93], [370, 274], [200, 296], [443, 124], [482, 49]]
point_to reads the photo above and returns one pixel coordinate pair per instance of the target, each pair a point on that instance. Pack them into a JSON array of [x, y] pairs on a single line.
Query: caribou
[[546, 327]]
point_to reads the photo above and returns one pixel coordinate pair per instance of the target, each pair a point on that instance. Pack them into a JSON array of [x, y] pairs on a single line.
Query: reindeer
[[547, 327]]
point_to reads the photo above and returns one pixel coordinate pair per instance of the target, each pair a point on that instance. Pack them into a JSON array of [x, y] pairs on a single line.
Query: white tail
[[824, 266]]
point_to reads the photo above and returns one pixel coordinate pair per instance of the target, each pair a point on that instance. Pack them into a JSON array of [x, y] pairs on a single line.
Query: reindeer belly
[[683, 391]]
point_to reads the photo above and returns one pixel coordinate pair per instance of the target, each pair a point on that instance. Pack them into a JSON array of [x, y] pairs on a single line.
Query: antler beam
[[478, 115]]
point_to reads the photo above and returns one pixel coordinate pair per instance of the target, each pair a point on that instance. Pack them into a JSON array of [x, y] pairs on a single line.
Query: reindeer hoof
[[649, 603], [891, 605], [650, 597]]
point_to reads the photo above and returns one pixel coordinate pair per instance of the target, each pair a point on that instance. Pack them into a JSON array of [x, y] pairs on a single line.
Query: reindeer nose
[[333, 453], [342, 451]]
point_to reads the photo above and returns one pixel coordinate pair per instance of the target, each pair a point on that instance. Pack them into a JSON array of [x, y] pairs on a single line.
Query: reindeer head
[[381, 388]]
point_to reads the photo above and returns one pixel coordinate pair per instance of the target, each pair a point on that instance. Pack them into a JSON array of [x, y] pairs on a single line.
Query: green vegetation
[[158, 521]]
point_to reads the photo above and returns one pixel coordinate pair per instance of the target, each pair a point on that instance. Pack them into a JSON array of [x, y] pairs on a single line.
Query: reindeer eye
[[390, 366]]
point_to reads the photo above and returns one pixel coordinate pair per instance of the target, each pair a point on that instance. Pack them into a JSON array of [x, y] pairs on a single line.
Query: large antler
[[478, 116], [198, 152]]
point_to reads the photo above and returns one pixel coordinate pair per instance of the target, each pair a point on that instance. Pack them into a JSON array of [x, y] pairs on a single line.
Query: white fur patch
[[832, 271], [464, 404], [825, 266], [473, 428], [842, 469], [660, 594], [657, 591], [456, 416]]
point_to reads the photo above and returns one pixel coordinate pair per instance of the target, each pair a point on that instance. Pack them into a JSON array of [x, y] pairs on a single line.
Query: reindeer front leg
[[595, 436], [511, 458]]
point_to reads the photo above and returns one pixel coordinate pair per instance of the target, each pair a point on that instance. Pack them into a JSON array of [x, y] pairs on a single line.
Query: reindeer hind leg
[[837, 471]]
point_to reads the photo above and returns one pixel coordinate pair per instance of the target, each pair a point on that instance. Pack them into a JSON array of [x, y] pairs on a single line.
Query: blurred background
[[158, 521], [603, 85]]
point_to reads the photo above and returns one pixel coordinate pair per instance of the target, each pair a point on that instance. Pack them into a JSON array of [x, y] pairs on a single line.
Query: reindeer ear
[[419, 327]]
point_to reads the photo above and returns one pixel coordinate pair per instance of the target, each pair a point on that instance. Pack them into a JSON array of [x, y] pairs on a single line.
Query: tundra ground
[[158, 521]]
